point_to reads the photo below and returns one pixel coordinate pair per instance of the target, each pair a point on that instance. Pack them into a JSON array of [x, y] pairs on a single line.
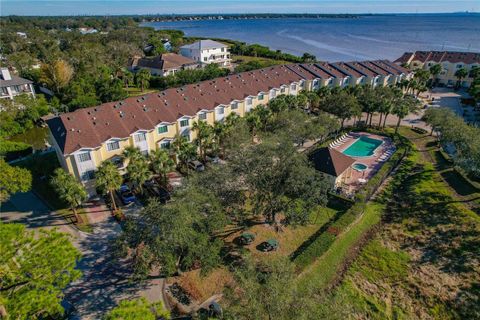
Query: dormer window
[[114, 145], [85, 156], [293, 87], [234, 105], [260, 96], [139, 137], [184, 123], [162, 129], [220, 110], [202, 116]]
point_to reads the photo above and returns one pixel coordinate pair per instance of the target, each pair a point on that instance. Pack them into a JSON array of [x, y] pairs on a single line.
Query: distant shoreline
[[156, 17]]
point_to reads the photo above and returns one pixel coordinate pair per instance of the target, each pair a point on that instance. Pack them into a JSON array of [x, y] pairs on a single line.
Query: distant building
[[87, 30], [207, 52], [12, 86], [336, 166], [163, 65], [450, 61]]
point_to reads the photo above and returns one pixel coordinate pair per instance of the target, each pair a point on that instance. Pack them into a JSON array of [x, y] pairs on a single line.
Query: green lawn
[[320, 274]]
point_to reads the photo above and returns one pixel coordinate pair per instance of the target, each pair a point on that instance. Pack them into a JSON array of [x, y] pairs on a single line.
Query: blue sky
[[75, 7]]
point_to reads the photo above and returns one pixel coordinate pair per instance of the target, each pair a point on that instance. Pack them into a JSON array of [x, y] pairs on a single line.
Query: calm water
[[372, 37]]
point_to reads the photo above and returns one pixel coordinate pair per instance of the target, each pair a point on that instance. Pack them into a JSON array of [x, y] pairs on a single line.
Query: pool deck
[[354, 182]]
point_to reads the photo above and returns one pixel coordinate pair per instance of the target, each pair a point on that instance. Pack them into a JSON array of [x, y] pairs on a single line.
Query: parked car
[[126, 195], [155, 190], [196, 165]]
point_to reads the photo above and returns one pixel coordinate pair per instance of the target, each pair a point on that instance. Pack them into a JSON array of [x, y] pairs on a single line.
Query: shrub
[[12, 149]]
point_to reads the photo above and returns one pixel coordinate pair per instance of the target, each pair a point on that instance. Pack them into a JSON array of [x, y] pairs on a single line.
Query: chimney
[[6, 74]]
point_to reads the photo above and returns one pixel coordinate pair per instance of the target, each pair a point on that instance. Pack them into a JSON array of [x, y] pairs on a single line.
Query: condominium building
[[12, 86], [83, 139], [449, 60], [207, 52]]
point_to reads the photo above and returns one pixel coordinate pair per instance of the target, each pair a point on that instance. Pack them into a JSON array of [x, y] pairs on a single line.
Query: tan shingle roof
[[331, 161]]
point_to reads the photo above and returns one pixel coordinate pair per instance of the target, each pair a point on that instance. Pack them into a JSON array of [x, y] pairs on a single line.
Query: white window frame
[[115, 144], [82, 159]]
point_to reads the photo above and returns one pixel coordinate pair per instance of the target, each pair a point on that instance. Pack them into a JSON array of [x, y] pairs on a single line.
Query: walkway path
[[28, 209]]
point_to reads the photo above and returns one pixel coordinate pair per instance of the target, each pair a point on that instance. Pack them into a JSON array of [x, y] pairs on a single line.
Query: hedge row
[[323, 242]]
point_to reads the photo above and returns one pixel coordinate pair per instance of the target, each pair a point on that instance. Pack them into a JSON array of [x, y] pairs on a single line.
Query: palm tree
[[204, 135], [403, 107], [130, 153], [128, 78], [184, 151], [435, 70], [69, 189], [162, 163], [142, 78], [221, 131], [138, 172], [396, 94], [254, 123], [137, 167], [108, 179], [461, 74]]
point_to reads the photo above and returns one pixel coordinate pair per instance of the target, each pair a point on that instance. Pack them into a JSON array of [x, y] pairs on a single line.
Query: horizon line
[[232, 14]]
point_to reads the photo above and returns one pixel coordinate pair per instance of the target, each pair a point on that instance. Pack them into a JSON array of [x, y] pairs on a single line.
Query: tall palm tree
[[142, 78], [128, 78], [221, 130], [204, 135], [162, 163], [69, 190], [403, 107], [184, 150], [108, 179], [130, 153], [254, 123], [435, 70], [461, 74], [138, 172]]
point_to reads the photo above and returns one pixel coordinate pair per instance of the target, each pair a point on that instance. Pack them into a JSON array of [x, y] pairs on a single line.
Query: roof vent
[[122, 114], [72, 129], [94, 123], [107, 123], [133, 116], [95, 109]]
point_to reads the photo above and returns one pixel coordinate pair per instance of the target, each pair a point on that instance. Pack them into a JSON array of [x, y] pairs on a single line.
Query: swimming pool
[[360, 167], [363, 147]]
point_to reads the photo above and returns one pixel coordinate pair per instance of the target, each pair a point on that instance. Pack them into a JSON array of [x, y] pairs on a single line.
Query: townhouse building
[[207, 52], [83, 139], [451, 61], [12, 86]]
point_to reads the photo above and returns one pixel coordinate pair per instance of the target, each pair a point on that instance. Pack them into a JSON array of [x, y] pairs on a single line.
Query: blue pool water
[[359, 167], [363, 147]]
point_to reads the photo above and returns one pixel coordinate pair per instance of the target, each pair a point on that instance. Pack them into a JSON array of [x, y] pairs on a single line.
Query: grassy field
[[424, 261]]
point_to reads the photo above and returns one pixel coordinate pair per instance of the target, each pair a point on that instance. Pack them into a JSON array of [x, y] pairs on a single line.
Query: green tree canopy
[[108, 179], [12, 180], [68, 189], [34, 269], [174, 237]]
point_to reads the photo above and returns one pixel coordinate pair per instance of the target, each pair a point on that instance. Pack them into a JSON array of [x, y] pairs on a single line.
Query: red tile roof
[[347, 69], [362, 69], [90, 127], [440, 56]]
